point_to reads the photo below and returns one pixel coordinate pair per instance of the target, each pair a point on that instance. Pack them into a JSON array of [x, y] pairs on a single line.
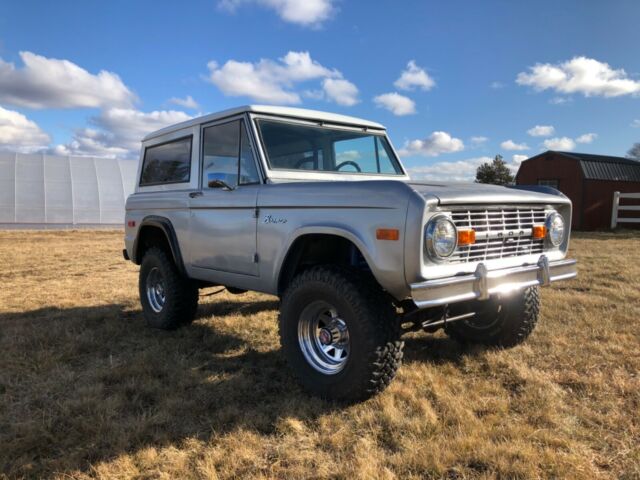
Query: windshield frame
[[283, 173]]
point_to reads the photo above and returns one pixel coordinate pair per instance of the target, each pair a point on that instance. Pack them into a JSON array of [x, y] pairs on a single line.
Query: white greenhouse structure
[[38, 190]]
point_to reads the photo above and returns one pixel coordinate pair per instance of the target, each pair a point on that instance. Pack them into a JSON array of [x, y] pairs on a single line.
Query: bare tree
[[634, 152]]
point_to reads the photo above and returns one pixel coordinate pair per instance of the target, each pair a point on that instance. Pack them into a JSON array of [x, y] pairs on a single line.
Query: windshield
[[291, 146]]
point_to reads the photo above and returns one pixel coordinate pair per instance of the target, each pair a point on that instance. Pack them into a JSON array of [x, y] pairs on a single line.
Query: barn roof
[[604, 167]]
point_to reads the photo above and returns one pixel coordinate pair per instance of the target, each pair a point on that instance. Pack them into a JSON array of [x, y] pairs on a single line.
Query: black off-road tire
[[501, 323], [374, 335], [181, 293]]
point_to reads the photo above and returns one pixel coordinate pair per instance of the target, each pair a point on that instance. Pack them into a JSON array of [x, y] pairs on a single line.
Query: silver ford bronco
[[317, 209]]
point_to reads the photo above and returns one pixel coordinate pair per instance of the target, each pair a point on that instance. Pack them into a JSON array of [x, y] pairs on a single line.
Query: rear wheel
[[339, 334], [503, 322], [168, 299]]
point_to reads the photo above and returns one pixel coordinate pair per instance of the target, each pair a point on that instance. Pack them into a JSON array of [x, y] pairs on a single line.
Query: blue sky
[[482, 74]]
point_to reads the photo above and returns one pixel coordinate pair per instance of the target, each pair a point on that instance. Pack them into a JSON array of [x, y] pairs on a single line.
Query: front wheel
[[503, 322], [339, 334]]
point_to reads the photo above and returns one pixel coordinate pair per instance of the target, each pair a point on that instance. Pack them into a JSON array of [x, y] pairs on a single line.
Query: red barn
[[588, 180]]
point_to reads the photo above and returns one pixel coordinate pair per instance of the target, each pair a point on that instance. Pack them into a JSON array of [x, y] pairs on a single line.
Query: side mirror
[[214, 181]]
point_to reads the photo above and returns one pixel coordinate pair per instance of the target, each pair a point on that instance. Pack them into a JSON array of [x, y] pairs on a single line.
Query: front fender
[[384, 258]]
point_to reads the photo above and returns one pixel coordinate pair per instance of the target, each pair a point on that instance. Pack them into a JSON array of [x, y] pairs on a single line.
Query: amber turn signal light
[[388, 234], [466, 237], [539, 231]]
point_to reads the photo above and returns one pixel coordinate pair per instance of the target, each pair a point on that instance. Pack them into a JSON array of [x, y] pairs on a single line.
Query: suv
[[317, 209]]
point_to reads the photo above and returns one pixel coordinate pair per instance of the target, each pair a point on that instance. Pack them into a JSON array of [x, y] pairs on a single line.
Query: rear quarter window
[[168, 162]]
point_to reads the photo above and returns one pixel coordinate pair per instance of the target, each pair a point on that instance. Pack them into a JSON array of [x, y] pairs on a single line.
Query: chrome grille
[[500, 233]]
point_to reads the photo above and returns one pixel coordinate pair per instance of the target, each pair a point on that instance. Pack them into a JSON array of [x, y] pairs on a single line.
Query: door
[[223, 220]]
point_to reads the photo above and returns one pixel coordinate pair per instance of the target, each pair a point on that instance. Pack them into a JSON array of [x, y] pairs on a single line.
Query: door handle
[[195, 194]]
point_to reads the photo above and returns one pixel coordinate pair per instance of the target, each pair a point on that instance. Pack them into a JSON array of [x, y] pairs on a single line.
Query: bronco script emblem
[[272, 219]]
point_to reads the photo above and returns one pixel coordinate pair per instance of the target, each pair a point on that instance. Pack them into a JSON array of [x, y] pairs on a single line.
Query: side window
[[167, 163], [227, 155]]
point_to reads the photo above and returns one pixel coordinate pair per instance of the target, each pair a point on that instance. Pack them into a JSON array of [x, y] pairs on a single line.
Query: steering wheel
[[351, 163]]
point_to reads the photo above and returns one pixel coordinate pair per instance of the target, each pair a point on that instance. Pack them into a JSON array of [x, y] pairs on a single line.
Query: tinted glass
[[223, 146], [167, 163], [356, 154], [292, 146], [385, 164], [248, 172]]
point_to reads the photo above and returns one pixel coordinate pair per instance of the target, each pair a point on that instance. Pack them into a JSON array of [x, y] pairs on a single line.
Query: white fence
[[617, 208]]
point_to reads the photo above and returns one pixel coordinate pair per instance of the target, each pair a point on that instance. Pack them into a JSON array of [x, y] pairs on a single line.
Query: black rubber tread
[[516, 321], [181, 293], [373, 328]]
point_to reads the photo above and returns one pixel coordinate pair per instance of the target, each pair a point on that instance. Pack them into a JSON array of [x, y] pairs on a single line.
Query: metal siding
[[598, 202]]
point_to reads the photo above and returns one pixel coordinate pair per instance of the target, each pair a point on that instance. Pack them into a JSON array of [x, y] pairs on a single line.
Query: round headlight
[[441, 237], [555, 227]]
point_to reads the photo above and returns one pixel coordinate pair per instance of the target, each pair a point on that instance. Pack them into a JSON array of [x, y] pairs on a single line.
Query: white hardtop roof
[[270, 110]]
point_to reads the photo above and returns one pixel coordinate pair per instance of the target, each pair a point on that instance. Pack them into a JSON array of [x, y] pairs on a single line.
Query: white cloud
[[541, 131], [414, 77], [117, 132], [518, 159], [341, 91], [237, 79], [459, 171], [560, 100], [274, 81], [18, 133], [396, 103], [52, 83], [348, 155], [314, 94], [586, 138], [559, 143], [479, 140], [302, 12], [511, 145], [497, 85], [187, 102], [636, 123], [580, 75], [435, 144]]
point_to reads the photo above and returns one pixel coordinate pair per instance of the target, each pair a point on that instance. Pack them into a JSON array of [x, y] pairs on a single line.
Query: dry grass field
[[87, 391]]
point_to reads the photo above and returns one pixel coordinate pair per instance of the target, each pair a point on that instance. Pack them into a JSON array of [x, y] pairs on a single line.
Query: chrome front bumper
[[483, 283]]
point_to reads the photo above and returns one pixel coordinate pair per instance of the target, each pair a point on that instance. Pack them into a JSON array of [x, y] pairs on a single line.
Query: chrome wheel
[[156, 290], [324, 338]]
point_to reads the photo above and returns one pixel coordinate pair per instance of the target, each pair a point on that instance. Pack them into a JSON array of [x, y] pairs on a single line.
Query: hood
[[477, 193]]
